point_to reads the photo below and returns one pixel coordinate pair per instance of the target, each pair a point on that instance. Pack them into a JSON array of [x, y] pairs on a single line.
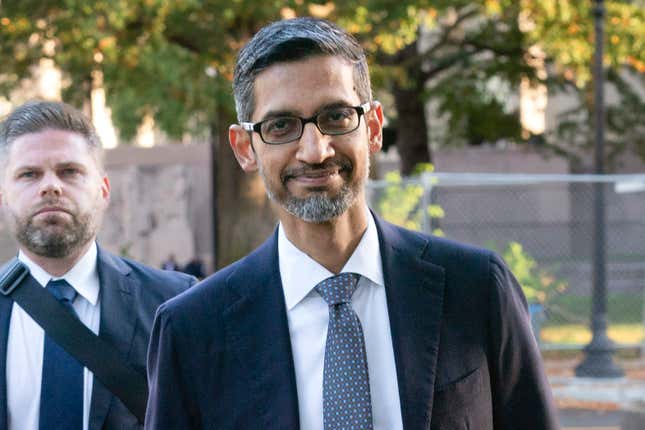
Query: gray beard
[[319, 208], [46, 243]]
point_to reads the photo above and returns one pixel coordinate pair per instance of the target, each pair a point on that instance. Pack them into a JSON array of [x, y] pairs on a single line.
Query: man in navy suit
[[339, 320], [54, 192]]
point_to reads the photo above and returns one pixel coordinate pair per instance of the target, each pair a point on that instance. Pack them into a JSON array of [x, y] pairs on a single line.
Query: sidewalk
[[597, 403]]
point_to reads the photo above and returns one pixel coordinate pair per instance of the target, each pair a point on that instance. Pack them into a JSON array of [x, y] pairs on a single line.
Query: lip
[[316, 177], [50, 209]]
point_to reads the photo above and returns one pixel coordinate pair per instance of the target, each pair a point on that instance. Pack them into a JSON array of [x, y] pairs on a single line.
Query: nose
[[50, 185], [314, 147]]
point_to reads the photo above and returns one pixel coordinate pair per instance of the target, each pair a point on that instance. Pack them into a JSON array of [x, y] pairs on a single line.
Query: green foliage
[[466, 44], [475, 115], [625, 122], [402, 201], [564, 31], [539, 285], [173, 59], [154, 54], [169, 59]]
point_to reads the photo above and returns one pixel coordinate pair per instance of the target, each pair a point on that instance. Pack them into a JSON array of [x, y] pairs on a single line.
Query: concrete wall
[[160, 203]]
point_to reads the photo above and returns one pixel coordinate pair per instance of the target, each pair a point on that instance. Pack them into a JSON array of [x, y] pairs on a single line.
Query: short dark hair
[[292, 40], [38, 115]]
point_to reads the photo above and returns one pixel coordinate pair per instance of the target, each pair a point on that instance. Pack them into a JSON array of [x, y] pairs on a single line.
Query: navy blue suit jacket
[[130, 294], [220, 354]]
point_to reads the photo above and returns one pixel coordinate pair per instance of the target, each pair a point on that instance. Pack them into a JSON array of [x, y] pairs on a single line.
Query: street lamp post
[[598, 361]]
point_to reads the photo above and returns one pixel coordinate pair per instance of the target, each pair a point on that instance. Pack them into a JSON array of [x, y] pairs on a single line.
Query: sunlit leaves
[[539, 284], [156, 51], [565, 30]]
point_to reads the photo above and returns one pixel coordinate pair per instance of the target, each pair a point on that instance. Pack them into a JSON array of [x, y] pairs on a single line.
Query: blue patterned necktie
[[347, 404], [61, 395]]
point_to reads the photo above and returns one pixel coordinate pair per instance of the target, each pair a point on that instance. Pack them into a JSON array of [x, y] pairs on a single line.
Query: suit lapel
[[258, 331], [414, 289], [116, 327], [5, 316]]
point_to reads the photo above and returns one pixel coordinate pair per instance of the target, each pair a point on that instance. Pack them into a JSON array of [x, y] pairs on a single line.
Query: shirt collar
[[300, 273], [83, 277]]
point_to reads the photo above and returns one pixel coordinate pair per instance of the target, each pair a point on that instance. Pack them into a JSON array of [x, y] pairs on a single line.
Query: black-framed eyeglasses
[[333, 121]]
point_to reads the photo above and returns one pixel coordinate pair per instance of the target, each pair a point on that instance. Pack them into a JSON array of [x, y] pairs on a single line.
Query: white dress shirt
[[308, 316], [26, 343]]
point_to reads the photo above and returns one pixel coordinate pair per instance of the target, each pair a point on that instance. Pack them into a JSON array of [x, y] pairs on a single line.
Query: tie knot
[[62, 290], [338, 289]]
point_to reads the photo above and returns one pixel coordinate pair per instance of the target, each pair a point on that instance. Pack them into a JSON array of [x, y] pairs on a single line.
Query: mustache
[[51, 204], [306, 169]]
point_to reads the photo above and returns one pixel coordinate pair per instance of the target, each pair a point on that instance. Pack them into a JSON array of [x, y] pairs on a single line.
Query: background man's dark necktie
[[61, 397]]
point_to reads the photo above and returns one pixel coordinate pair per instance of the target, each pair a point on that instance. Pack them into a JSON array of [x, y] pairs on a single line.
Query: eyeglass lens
[[334, 121]]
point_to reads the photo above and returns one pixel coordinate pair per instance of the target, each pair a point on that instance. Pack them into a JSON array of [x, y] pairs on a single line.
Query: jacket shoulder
[[162, 282], [435, 248], [452, 250], [170, 276], [215, 293], [463, 263]]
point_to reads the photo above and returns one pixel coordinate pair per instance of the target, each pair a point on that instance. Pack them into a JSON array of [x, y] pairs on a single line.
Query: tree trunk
[[244, 214], [411, 127]]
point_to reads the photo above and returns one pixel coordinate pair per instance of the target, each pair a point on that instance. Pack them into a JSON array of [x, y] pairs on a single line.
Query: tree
[[153, 55], [564, 30], [444, 51], [449, 51], [169, 59], [173, 60]]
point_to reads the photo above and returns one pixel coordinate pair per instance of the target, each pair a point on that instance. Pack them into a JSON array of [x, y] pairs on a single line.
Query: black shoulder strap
[[70, 333]]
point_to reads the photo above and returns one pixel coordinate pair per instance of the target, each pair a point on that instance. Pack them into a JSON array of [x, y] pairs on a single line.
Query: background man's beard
[[55, 242]]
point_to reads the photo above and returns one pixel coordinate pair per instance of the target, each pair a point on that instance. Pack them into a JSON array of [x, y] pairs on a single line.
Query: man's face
[[317, 177], [53, 193]]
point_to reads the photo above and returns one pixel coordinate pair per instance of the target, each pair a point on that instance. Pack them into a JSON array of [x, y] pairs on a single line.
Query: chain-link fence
[[543, 226]]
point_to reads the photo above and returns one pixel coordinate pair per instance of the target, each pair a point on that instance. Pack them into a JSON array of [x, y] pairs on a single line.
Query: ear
[[240, 141], [374, 121], [105, 188]]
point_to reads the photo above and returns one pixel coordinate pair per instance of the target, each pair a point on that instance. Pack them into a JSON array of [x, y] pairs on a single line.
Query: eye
[[69, 172], [279, 126], [337, 118], [27, 174]]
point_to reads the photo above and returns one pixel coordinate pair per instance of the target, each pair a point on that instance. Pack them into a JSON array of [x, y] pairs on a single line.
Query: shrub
[[539, 285], [402, 203]]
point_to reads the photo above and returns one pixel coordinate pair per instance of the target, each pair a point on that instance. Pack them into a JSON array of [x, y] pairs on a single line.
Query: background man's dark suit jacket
[[220, 355], [130, 294]]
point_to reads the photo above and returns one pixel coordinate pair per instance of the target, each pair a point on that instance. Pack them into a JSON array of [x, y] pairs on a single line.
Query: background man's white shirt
[[308, 317], [26, 343]]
